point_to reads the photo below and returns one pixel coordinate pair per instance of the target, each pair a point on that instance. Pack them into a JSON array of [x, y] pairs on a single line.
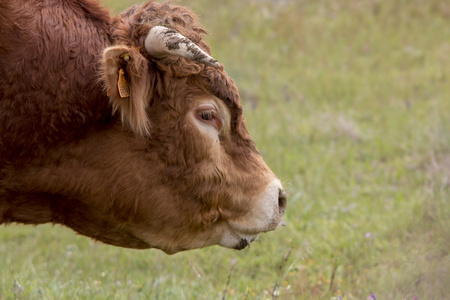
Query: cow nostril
[[282, 202]]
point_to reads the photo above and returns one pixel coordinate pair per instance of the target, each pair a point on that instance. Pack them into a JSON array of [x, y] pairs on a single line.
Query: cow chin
[[237, 241]]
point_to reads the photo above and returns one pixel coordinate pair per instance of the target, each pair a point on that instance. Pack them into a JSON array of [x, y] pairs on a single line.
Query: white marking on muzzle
[[264, 216], [267, 211]]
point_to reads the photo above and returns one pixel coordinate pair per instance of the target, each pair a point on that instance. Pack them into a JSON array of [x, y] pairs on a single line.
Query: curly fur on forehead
[[132, 26]]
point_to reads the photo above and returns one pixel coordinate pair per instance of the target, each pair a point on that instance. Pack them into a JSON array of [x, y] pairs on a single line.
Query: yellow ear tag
[[125, 56], [122, 84]]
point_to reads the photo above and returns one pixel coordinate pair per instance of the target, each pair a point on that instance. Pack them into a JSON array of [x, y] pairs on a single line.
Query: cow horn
[[162, 41]]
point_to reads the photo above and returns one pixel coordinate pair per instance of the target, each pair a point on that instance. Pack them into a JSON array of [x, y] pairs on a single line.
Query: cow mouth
[[244, 242], [237, 239]]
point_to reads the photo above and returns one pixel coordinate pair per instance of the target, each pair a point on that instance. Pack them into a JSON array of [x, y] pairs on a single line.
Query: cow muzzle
[[268, 209], [266, 215]]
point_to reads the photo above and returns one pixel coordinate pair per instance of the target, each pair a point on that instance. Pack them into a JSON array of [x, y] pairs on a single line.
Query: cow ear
[[127, 81]]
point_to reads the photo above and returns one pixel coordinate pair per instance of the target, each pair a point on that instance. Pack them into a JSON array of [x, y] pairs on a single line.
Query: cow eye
[[206, 115]]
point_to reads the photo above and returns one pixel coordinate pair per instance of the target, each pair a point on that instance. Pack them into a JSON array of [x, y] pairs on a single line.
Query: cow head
[[203, 180]]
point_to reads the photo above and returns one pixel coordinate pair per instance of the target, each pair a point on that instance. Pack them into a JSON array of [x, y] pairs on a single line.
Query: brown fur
[[64, 156], [49, 53]]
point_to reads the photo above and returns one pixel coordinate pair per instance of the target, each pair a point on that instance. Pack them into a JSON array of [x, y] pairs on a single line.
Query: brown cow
[[125, 129]]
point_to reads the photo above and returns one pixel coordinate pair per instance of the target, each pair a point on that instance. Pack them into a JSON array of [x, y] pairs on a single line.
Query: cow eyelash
[[206, 115], [209, 115]]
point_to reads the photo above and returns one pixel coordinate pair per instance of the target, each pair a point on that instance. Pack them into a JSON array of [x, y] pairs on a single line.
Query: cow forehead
[[211, 84]]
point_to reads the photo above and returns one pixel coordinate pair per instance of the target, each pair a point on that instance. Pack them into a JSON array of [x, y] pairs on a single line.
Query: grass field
[[349, 102]]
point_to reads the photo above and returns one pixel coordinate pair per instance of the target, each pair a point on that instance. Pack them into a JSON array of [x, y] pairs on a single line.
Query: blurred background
[[349, 103]]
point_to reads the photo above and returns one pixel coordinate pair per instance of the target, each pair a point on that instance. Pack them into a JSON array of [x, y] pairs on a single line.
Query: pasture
[[349, 103]]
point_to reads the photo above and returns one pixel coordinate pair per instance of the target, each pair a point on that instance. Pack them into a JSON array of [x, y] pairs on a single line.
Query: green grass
[[349, 102]]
